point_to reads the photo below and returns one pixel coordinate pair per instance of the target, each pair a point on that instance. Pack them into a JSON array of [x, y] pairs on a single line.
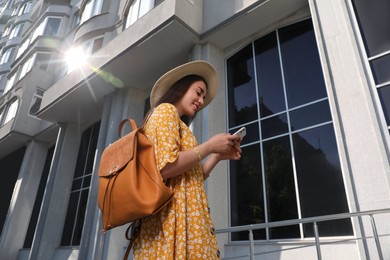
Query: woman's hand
[[224, 143]]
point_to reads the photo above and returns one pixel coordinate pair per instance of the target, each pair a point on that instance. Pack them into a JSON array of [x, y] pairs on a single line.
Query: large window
[[290, 165], [74, 222], [374, 22]]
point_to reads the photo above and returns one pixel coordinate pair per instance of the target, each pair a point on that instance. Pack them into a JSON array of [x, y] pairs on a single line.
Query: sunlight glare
[[75, 58]]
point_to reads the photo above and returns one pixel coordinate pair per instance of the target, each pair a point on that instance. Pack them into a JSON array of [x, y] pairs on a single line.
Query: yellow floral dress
[[183, 229]]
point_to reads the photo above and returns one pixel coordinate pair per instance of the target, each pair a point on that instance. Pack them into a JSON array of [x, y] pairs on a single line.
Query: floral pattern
[[183, 229]]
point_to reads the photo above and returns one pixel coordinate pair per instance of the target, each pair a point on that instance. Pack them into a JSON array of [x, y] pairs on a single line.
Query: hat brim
[[199, 67]]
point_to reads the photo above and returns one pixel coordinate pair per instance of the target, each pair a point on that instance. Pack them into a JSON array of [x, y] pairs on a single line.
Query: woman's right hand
[[223, 143]]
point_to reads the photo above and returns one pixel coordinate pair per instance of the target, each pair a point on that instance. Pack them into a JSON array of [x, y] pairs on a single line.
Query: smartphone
[[241, 132]]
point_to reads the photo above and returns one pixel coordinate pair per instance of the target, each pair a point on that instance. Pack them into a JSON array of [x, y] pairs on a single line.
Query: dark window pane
[[70, 219], [380, 68], [271, 94], [77, 184], [87, 181], [247, 201], [310, 115], [76, 209], [92, 148], [281, 195], [374, 22], [252, 133], [301, 63], [83, 153], [274, 126], [78, 230], [12, 163], [241, 88], [384, 95], [318, 172]]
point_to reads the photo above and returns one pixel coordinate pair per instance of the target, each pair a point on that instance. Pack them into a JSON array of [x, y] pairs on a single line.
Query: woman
[[183, 229]]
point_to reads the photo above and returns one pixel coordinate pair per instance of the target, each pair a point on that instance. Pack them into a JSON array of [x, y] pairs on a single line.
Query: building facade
[[309, 79]]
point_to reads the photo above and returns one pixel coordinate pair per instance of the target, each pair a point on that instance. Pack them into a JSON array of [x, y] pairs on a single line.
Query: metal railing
[[314, 221]]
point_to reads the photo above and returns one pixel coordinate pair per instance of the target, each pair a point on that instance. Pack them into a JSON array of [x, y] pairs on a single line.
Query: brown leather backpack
[[131, 186]]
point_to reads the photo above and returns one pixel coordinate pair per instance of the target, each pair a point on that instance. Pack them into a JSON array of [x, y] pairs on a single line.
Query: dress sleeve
[[163, 130]]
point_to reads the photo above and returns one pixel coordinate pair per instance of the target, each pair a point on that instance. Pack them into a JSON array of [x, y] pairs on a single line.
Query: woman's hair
[[177, 91]]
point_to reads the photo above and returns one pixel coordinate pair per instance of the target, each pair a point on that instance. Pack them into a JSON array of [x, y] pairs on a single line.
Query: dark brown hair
[[177, 91]]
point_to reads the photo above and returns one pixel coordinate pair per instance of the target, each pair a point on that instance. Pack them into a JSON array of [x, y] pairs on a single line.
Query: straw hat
[[199, 67]]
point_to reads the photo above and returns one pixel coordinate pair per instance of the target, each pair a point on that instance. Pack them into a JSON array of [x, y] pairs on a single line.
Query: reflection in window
[[74, 222], [241, 87], [318, 172], [276, 89]]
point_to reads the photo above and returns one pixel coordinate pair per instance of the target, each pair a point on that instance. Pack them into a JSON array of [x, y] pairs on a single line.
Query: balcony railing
[[314, 221]]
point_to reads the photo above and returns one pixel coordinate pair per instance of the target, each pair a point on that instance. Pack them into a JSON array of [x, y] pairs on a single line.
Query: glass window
[[11, 111], [92, 8], [138, 9], [318, 172], [49, 26], [301, 64], [39, 59], [374, 23], [36, 103], [6, 31], [16, 31], [280, 186], [25, 8], [241, 87], [384, 95], [381, 68], [247, 197], [7, 55], [269, 76], [9, 84], [1, 115], [74, 222], [289, 142]]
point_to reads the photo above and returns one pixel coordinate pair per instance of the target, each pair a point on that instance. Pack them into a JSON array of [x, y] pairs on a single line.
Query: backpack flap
[[117, 155]]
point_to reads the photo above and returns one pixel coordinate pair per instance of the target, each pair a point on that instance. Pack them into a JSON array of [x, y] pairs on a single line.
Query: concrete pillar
[[55, 201], [22, 201], [362, 145]]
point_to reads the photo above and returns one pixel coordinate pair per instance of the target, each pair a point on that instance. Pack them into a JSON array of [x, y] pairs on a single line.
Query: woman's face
[[192, 100]]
